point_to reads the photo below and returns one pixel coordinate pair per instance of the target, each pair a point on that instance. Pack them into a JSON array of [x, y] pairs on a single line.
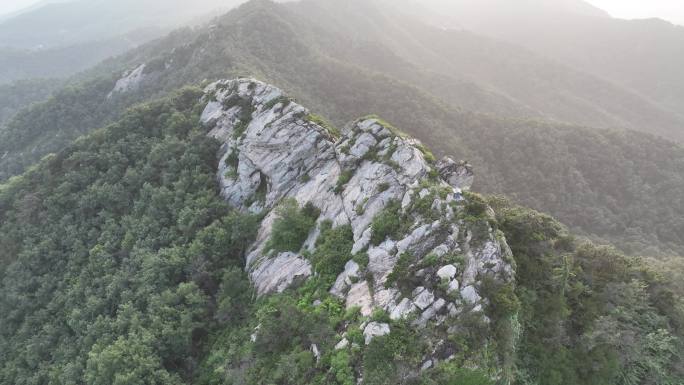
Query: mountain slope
[[18, 95], [639, 211], [62, 62], [640, 55], [550, 88], [59, 39], [59, 24], [122, 263]]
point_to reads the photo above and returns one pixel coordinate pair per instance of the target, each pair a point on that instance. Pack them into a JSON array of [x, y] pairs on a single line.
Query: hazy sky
[[672, 10], [13, 5]]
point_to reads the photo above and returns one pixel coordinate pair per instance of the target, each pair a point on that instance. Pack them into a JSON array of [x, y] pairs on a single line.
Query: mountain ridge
[[232, 47], [137, 235]]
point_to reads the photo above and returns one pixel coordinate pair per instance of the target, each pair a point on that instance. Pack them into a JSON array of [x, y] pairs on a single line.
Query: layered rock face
[[430, 267]]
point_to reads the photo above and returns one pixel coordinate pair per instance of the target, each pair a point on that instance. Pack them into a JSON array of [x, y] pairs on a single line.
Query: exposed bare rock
[[447, 272], [403, 309], [345, 279], [360, 296], [423, 298], [272, 151], [459, 175], [375, 329], [129, 82], [470, 295], [342, 344], [279, 273]]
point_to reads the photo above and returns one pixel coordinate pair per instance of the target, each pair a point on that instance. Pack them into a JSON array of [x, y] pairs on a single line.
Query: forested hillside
[[121, 264], [18, 95]]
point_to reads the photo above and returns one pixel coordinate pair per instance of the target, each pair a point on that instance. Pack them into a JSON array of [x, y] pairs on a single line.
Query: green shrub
[[233, 160], [395, 131], [292, 227], [427, 154], [345, 177], [341, 368], [284, 100], [401, 269], [240, 128], [475, 205], [388, 223], [423, 206], [450, 374], [333, 249], [384, 355], [361, 259], [321, 121]]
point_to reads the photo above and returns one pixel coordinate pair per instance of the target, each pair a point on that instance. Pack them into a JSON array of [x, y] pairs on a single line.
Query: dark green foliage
[[382, 187], [235, 292], [450, 374], [240, 128], [292, 227], [119, 256], [388, 223], [361, 259], [333, 249], [18, 95], [475, 206], [233, 159], [66, 115], [345, 177], [389, 359], [423, 206], [285, 327], [589, 315], [401, 272]]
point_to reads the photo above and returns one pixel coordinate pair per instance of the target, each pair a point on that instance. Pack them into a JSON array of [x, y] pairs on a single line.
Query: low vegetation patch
[[321, 121], [389, 223], [345, 177], [292, 227], [333, 249]]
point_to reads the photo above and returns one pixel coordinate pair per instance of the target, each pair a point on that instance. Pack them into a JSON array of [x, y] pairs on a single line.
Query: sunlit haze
[[671, 10], [8, 6]]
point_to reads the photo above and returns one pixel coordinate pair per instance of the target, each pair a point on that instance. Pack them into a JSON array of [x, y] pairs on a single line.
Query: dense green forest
[[16, 96], [121, 264], [115, 252]]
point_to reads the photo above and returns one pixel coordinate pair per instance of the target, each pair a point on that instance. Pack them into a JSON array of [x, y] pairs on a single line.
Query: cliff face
[[432, 264]]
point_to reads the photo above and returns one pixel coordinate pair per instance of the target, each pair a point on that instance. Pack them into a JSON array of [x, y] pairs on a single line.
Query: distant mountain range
[[60, 38], [644, 57]]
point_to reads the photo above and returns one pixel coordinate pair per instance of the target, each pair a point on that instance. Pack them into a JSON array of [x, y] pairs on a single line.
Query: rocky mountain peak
[[420, 246]]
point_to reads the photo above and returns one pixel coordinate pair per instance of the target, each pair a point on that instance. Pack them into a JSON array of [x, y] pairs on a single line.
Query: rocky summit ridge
[[434, 263]]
